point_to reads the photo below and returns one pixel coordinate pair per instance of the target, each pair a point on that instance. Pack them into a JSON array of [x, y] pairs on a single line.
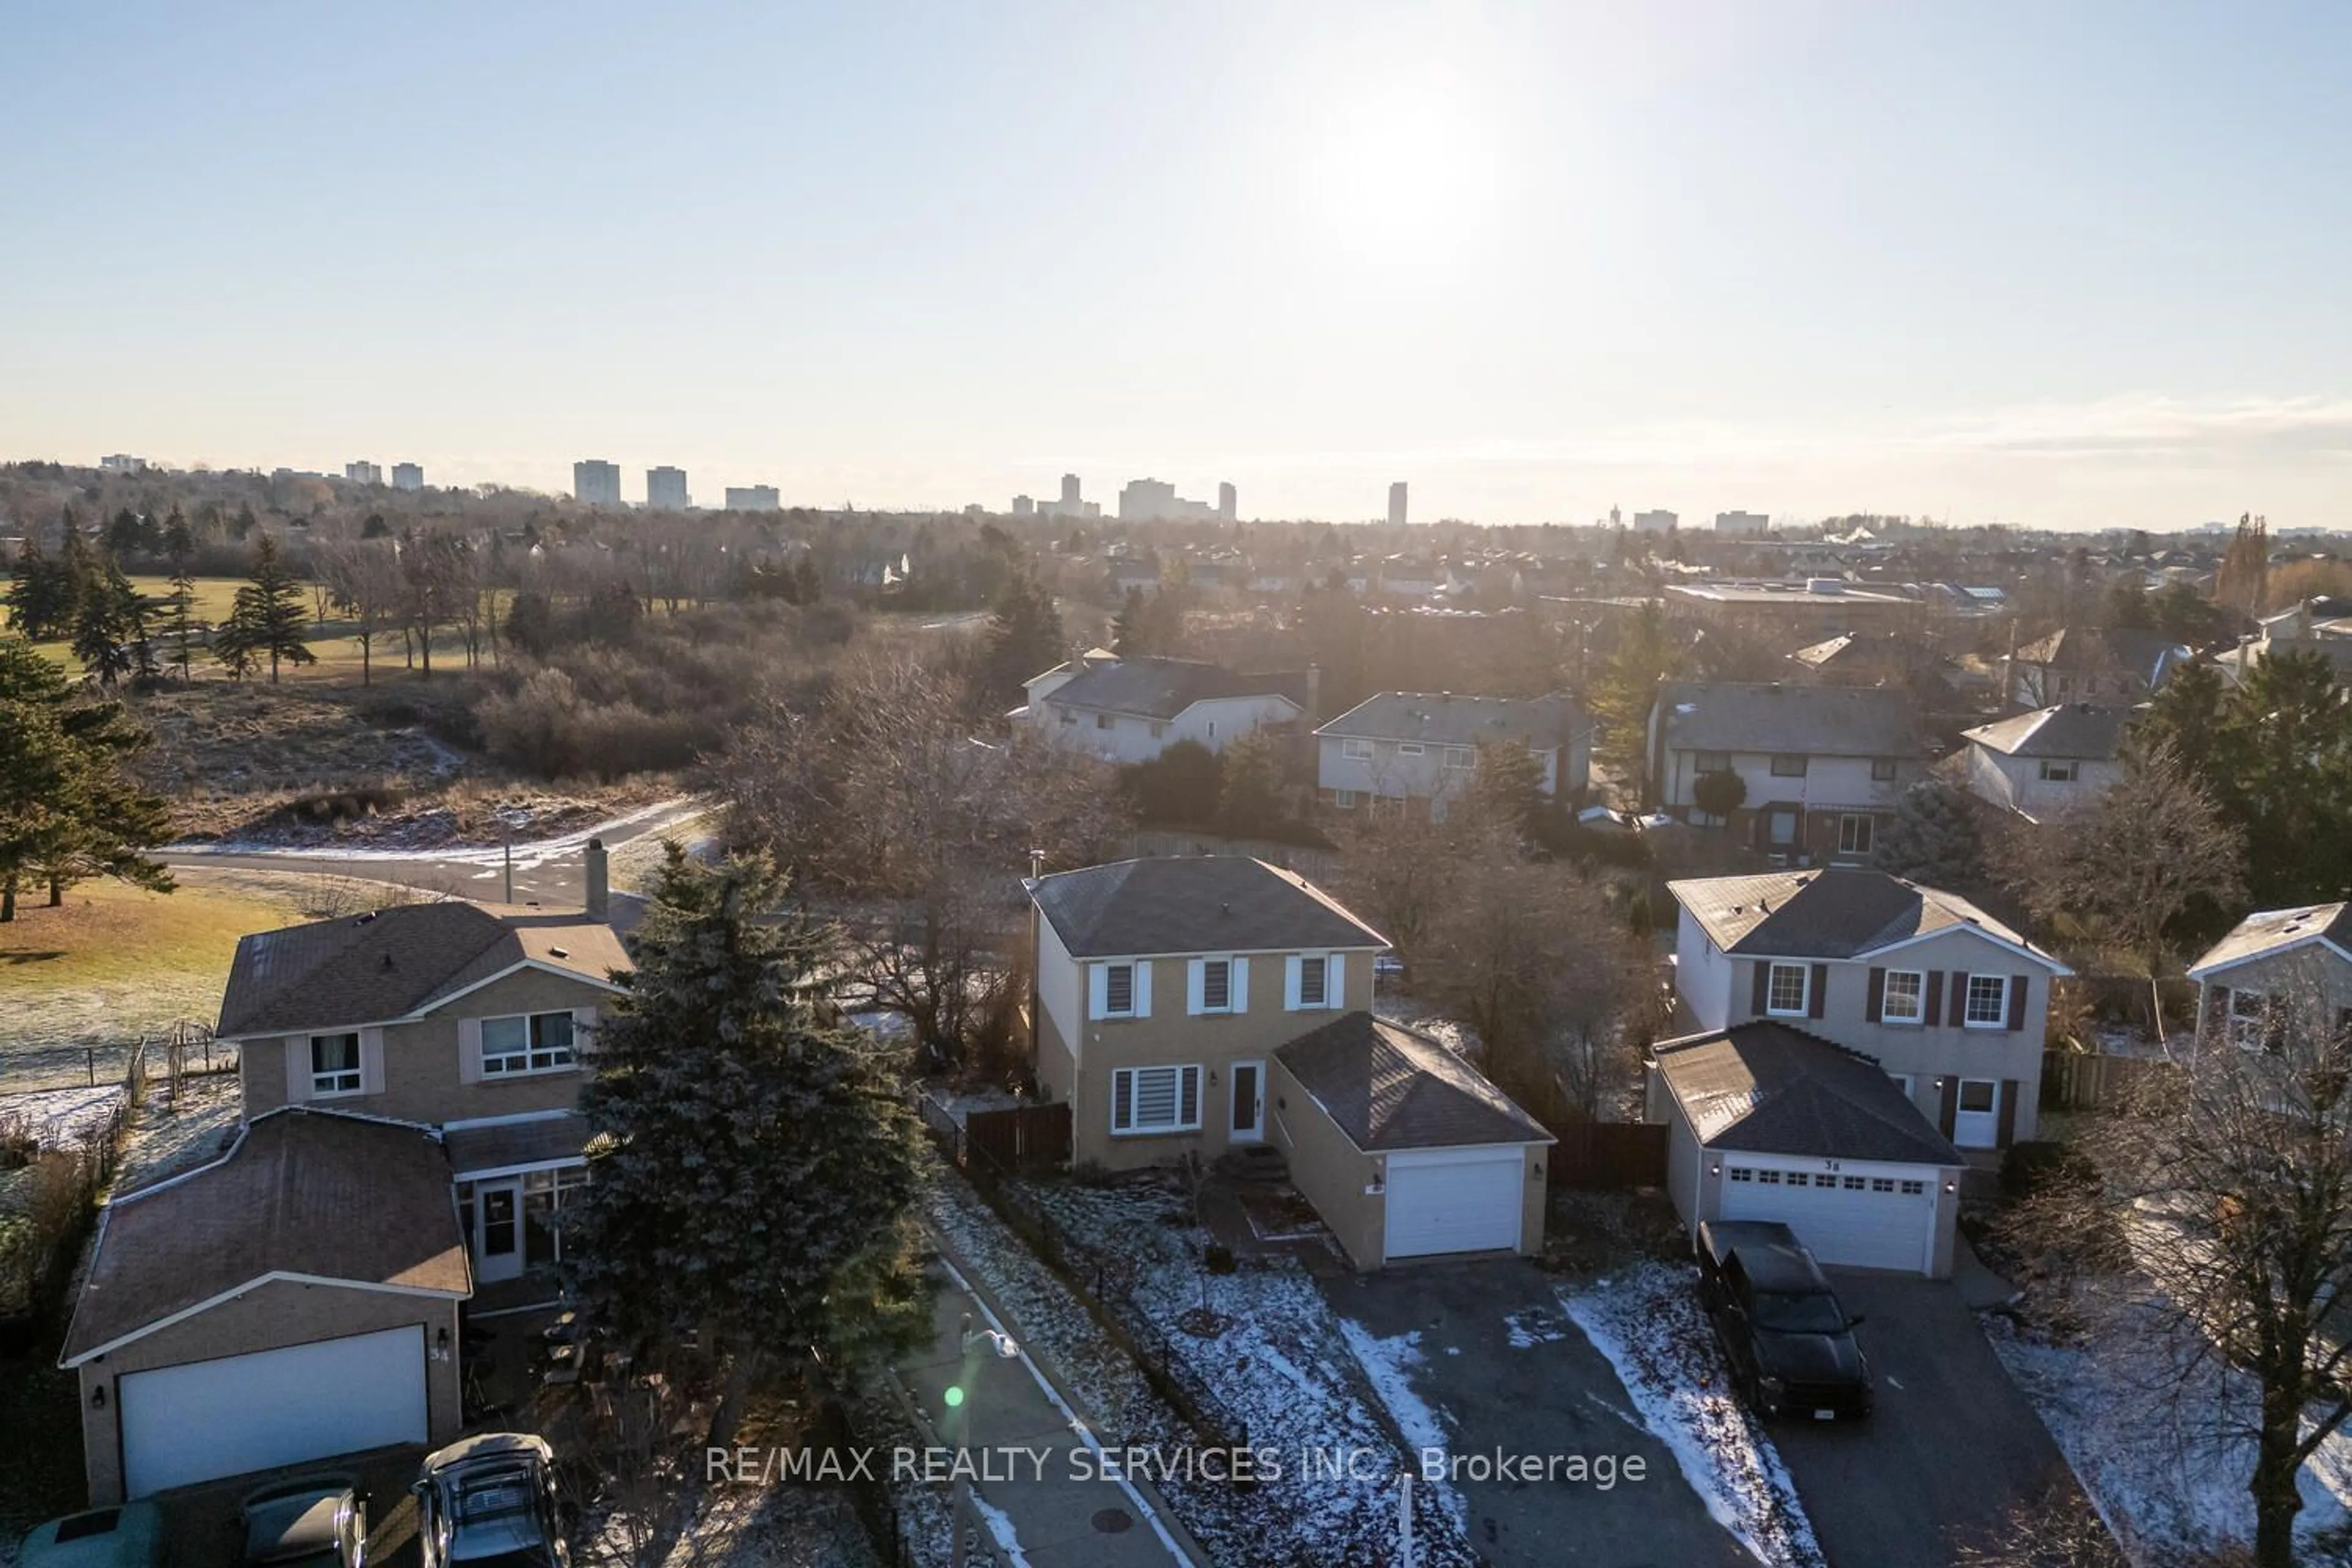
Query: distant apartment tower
[[1654, 521], [364, 472], [1156, 500], [596, 482], [666, 488], [1228, 501], [753, 498], [1749, 523], [1396, 504], [1069, 505], [407, 476], [122, 463], [1070, 492]]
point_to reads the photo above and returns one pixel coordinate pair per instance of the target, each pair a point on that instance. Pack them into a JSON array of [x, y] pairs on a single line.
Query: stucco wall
[[1328, 1170]]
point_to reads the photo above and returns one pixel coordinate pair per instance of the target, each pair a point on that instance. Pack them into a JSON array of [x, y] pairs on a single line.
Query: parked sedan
[[311, 1521], [490, 1502], [1790, 1343], [129, 1535]]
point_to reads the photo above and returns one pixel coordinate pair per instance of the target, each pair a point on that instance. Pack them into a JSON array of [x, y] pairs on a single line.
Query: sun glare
[[1413, 170]]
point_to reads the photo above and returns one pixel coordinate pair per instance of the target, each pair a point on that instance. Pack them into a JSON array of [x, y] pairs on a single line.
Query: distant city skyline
[[2049, 265]]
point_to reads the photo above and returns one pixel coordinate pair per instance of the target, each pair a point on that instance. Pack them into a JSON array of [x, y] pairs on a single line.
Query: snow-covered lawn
[[2169, 1487], [165, 1138], [1388, 1364], [1645, 1321], [59, 1118]]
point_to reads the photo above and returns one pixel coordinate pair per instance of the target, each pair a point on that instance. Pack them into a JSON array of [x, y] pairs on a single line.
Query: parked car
[[129, 1536], [311, 1521], [1790, 1341], [490, 1502]]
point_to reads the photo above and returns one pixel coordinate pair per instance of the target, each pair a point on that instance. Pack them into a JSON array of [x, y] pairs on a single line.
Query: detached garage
[[294, 1301], [1404, 1149], [1770, 1123]]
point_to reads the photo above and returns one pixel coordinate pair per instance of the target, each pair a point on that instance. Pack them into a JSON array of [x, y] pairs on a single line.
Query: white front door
[[1976, 1124], [498, 1231], [1248, 1123]]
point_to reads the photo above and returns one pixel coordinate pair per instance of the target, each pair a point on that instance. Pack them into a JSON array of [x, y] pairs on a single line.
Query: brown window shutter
[[1875, 1005], [2005, 1122], [1948, 1113], [1931, 1010], [2018, 986], [1763, 981], [1818, 992], [1959, 1016]]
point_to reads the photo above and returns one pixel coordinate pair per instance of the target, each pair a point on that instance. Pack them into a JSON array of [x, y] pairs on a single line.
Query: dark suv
[[1790, 1342]]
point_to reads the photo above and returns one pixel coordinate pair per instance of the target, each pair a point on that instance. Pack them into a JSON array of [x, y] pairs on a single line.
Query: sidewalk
[[1039, 1491]]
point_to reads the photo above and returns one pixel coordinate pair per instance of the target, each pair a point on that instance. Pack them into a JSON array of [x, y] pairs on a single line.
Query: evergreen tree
[[69, 806], [751, 1153], [1934, 838], [37, 608], [1507, 786], [102, 629], [1648, 652], [1250, 802], [76, 568], [1024, 638], [267, 619], [808, 588], [179, 607]]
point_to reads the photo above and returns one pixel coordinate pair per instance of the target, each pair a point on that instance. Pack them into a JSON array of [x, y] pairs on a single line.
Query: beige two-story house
[[410, 1080], [1183, 1007]]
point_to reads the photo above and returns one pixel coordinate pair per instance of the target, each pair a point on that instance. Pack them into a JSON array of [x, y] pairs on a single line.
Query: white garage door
[[1456, 1201], [241, 1413], [1865, 1216]]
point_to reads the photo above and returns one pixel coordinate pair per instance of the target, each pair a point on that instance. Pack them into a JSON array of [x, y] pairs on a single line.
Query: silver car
[[490, 1502]]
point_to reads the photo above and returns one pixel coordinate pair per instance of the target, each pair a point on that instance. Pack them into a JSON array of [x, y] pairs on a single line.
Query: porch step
[[1260, 1163]]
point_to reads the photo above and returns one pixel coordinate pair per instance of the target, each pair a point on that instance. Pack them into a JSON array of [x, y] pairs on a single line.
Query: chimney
[[600, 899], [1036, 864]]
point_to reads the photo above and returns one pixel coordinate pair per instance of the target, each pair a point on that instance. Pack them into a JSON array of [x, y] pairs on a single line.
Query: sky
[[2078, 265]]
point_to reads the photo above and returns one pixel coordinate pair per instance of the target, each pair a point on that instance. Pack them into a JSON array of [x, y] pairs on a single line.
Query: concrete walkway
[[1036, 1471]]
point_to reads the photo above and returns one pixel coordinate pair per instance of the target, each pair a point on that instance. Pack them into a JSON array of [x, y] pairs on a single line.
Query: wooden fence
[[1592, 1153], [2072, 1080], [1011, 1138]]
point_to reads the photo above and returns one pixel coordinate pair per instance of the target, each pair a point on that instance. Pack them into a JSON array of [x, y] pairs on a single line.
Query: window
[[1460, 757], [1788, 765], [1855, 1183], [1218, 985], [1988, 1006], [1913, 1189], [2250, 1020], [334, 1065], [1104, 721], [1068, 717], [1799, 1179], [1410, 748], [1882, 769], [1905, 1000], [1978, 1095], [1786, 990], [1158, 729], [1742, 1174], [1155, 1099], [1901, 1081], [1118, 990], [1856, 832], [2058, 770], [1711, 763], [541, 1042], [1781, 826], [1314, 979], [1768, 1178], [1355, 750], [1882, 1183], [543, 1194], [1344, 799]]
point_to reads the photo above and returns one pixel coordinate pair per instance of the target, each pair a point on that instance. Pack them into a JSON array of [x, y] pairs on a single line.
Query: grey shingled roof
[[2076, 730], [2095, 647], [1816, 720], [2271, 930], [503, 1145], [397, 962], [1209, 903], [306, 1192], [1838, 913], [1443, 719], [1767, 1088], [1388, 1088], [1161, 687]]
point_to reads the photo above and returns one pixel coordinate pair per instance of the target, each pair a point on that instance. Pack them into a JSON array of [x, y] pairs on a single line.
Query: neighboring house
[[2118, 666], [1879, 658], [1423, 747], [2039, 764], [1131, 709], [410, 1080], [1184, 1007], [2274, 964], [1821, 766], [2320, 626]]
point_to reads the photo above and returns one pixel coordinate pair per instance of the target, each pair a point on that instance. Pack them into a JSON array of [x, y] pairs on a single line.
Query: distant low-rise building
[[1742, 525], [2041, 763], [122, 463], [753, 498], [1654, 521], [1156, 500], [1419, 750], [1808, 611]]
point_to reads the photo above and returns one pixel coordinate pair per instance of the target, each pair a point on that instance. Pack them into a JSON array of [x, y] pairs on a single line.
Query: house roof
[[1208, 903], [1388, 1088], [1161, 687], [1817, 721], [2069, 730], [305, 1193], [501, 1146], [1871, 646], [2268, 932], [399, 962], [1838, 913], [2143, 653], [1766, 1089], [1443, 719]]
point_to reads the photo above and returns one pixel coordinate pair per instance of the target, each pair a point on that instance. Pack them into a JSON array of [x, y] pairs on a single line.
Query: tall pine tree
[[70, 806], [267, 619], [1024, 639]]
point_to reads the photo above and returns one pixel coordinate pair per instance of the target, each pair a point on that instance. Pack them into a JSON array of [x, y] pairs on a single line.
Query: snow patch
[[1388, 1364], [999, 1529], [1532, 1326]]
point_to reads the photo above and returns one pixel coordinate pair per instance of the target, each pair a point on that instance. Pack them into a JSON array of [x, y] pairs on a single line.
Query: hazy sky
[[2071, 263]]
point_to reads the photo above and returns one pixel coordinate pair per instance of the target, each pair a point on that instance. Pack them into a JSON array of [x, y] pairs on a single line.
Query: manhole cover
[[1114, 1522]]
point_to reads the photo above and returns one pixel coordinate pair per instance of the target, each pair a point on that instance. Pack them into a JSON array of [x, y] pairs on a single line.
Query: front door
[[1976, 1123], [498, 1231], [1248, 1123]]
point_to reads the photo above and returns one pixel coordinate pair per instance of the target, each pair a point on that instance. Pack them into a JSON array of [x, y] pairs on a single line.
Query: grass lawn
[[113, 963]]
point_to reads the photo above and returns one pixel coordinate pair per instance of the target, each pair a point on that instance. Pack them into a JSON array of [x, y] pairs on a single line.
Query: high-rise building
[[407, 476], [1653, 522], [596, 482], [1070, 491], [1228, 500], [1022, 506], [1750, 523], [753, 498], [665, 490], [122, 463], [1070, 505], [1156, 500], [364, 472], [1396, 504]]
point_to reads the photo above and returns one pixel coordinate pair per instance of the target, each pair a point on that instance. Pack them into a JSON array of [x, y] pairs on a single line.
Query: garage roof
[[1388, 1088], [304, 1193], [1766, 1089], [1202, 903]]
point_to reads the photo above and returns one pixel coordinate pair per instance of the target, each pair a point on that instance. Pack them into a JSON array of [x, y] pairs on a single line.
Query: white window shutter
[[297, 1069], [1335, 981], [1097, 990], [371, 1061], [470, 1050], [1142, 988], [1290, 983], [1238, 994], [583, 1032], [1196, 972]]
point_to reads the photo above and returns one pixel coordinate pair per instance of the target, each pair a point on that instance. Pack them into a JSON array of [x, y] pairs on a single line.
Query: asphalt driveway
[[1951, 1446], [1550, 1394]]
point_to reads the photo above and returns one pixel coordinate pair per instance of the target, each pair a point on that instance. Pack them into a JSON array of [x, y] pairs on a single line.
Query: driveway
[[1950, 1447], [1552, 1393]]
